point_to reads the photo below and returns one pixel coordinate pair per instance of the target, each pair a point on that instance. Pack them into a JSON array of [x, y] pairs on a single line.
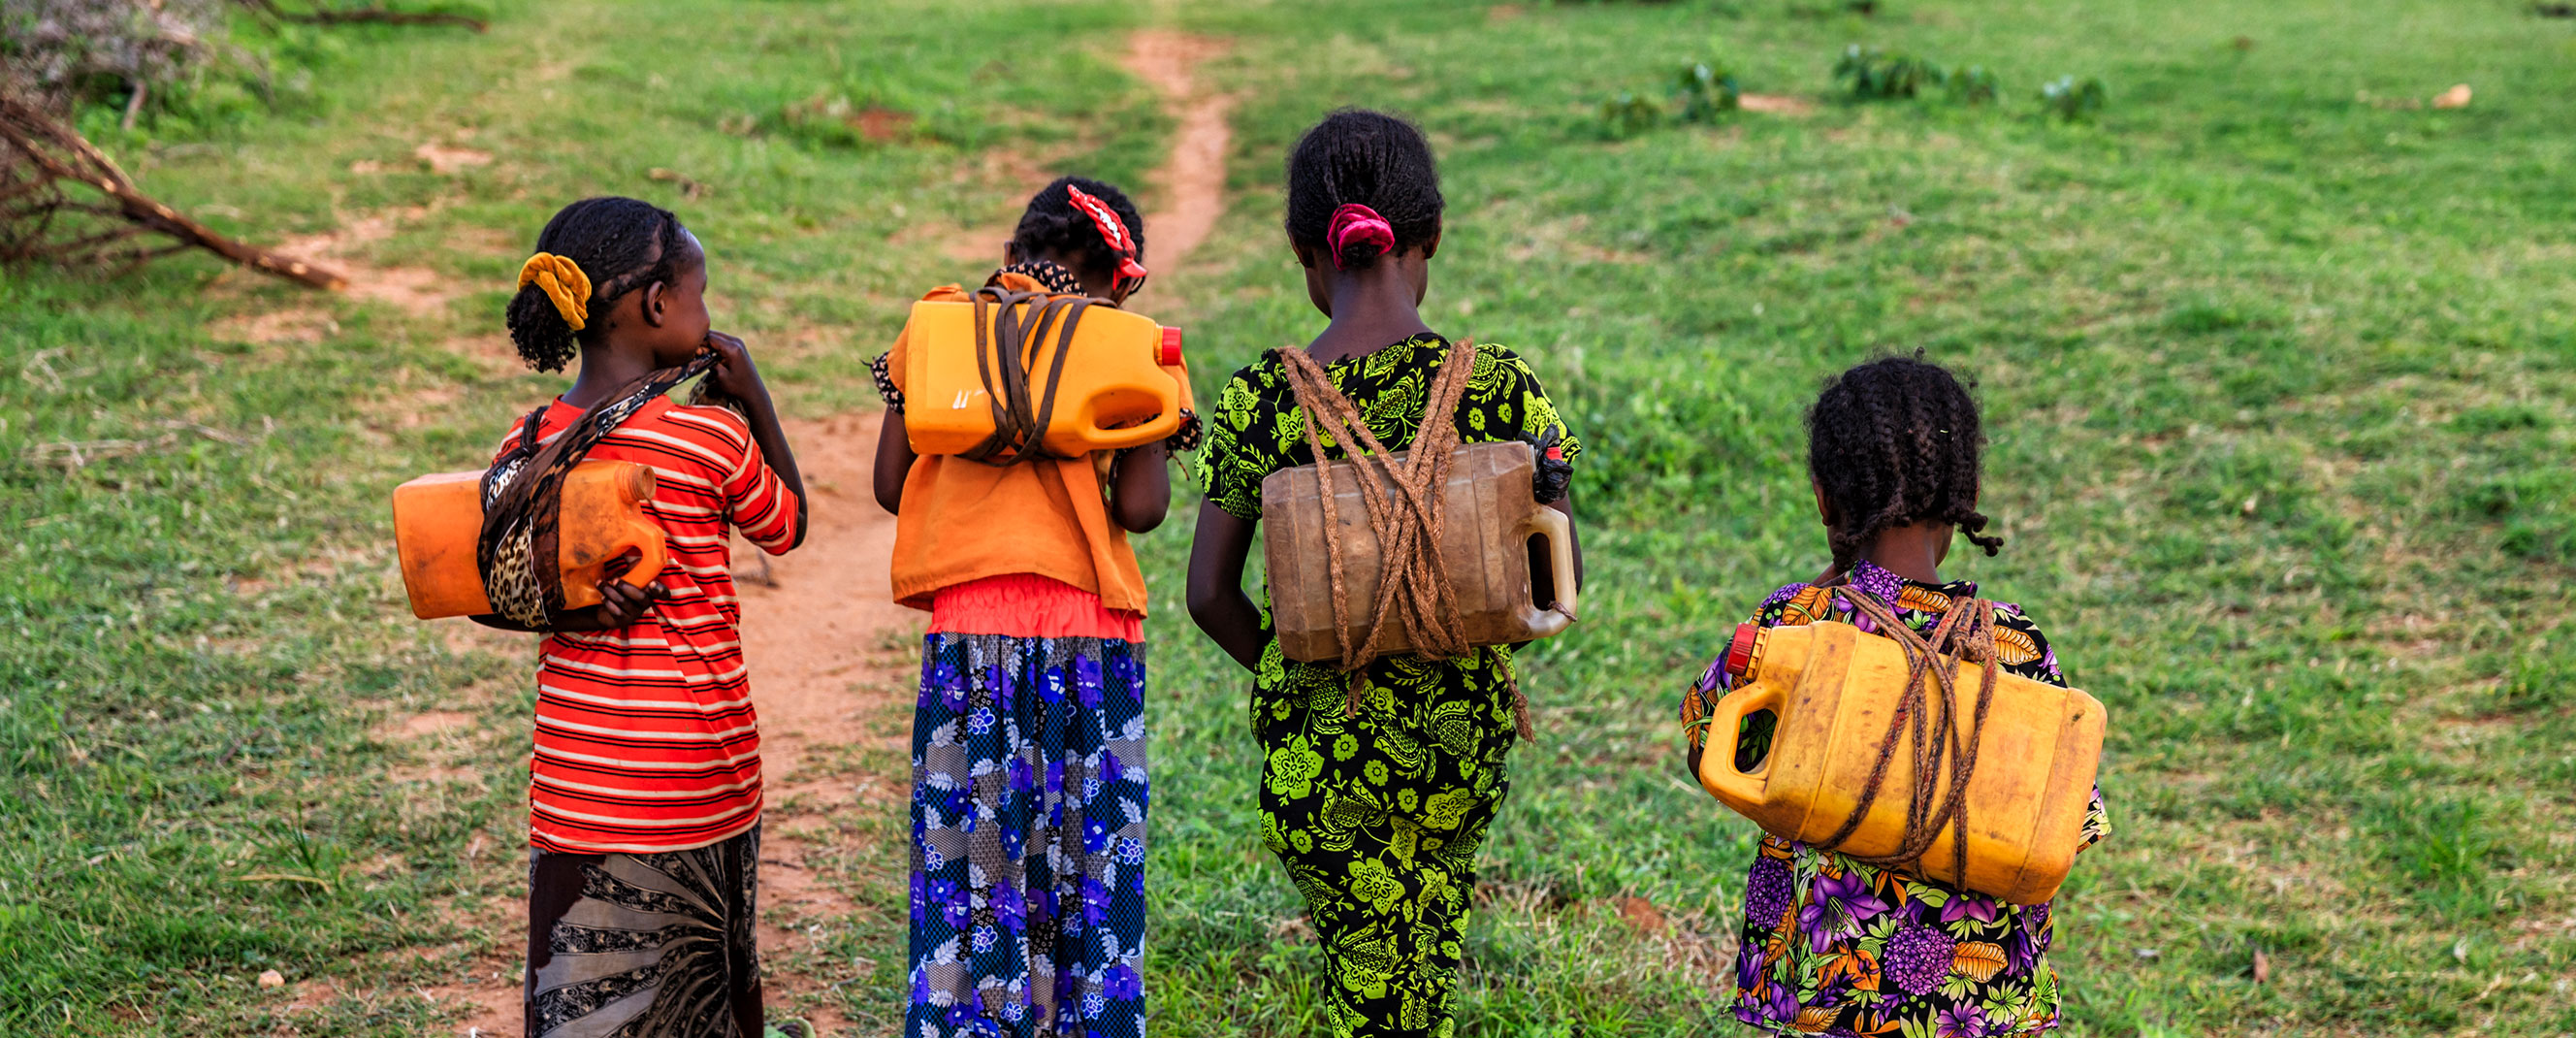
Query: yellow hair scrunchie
[[562, 281]]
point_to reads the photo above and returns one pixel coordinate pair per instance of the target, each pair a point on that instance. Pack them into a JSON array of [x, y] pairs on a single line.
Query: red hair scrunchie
[[1355, 222]]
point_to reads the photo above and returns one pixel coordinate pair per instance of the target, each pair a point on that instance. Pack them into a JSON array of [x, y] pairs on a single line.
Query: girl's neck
[[1371, 309], [1913, 552], [604, 368]]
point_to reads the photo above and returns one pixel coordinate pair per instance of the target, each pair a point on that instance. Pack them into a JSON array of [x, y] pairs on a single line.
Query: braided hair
[[1358, 156], [1053, 227], [1896, 441], [621, 244]]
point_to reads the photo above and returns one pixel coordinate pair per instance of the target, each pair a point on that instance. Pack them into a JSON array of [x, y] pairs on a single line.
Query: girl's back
[[1378, 784], [1829, 943], [673, 687]]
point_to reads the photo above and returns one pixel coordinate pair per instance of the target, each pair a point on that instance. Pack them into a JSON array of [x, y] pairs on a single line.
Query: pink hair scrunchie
[[1355, 222]]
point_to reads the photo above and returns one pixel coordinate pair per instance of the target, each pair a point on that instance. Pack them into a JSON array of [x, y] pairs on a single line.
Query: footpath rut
[[829, 653]]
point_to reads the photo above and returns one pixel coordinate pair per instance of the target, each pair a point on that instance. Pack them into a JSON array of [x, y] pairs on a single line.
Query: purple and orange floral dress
[[1833, 946]]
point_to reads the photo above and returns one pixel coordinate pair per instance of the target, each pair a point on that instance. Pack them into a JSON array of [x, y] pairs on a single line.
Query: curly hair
[[1053, 227], [1896, 441], [1370, 158], [622, 244]]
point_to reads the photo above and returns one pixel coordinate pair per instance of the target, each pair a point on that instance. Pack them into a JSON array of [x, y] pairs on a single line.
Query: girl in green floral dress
[[1378, 807]]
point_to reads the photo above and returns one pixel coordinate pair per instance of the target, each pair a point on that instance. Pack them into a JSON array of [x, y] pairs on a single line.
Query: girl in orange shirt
[[1028, 742]]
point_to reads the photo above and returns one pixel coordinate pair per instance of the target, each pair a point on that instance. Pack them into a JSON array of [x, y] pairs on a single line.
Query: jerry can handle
[[647, 533], [1552, 524], [1161, 425], [656, 554], [1717, 760]]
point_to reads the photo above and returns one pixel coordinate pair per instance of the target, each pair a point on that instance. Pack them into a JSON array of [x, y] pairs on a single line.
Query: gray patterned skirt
[[644, 945]]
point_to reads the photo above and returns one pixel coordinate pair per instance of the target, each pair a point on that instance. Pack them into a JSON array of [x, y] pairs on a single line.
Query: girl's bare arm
[[1140, 489], [894, 461], [621, 604], [1217, 601]]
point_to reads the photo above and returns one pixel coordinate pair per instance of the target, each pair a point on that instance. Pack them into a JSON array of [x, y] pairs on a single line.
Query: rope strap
[[1010, 327], [1966, 633], [1404, 511]]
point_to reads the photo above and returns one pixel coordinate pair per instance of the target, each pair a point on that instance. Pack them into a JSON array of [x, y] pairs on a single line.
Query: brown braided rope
[[1404, 509], [1966, 633]]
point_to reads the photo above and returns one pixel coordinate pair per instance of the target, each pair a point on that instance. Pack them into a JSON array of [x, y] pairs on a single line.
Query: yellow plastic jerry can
[[438, 521], [1121, 382], [1834, 690]]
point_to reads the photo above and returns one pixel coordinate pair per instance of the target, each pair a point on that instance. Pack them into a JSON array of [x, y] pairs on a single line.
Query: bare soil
[[1189, 186], [1191, 182], [1777, 104]]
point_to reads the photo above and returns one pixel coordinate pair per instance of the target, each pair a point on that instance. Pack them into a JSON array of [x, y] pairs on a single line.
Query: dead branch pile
[[63, 201]]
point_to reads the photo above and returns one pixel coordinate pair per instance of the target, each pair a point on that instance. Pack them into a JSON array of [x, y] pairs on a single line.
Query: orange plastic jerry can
[[438, 521], [1118, 381], [1833, 691]]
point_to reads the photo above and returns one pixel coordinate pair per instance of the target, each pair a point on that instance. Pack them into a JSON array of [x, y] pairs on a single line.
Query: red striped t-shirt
[[646, 739]]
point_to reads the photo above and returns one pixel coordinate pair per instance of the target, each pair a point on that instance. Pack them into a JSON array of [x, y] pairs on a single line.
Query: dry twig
[[78, 454], [47, 171]]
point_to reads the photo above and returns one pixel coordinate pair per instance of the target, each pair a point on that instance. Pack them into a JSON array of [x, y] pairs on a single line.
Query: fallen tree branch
[[381, 16], [41, 159]]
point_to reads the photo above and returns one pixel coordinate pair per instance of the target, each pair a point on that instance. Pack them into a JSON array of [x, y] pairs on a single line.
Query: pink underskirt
[[1025, 605]]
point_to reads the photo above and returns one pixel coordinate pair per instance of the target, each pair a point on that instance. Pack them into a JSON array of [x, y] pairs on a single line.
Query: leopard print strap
[[522, 499]]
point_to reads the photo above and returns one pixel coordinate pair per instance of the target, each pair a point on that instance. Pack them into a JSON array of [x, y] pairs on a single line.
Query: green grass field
[[2279, 383]]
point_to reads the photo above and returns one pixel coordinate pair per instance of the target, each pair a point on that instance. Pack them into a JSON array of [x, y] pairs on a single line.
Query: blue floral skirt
[[1028, 838]]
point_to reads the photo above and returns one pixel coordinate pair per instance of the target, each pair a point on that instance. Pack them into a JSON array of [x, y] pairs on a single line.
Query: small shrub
[[1702, 93], [63, 52], [2075, 100], [1874, 74], [1629, 114], [1975, 85]]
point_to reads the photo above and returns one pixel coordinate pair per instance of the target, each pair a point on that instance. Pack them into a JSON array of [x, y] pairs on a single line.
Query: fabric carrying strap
[[1930, 724], [1011, 328], [523, 499], [1404, 511]]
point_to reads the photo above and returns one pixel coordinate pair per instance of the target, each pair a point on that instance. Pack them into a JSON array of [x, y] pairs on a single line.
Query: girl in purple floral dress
[[1831, 945], [1028, 740]]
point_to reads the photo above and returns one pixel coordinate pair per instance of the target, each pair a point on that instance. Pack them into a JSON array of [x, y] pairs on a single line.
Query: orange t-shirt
[[965, 520]]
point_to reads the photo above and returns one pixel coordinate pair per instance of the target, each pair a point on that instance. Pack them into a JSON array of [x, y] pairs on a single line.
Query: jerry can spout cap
[[1169, 353], [1744, 653]]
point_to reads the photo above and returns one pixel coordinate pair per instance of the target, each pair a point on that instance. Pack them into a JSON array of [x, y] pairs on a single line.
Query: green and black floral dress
[[1378, 817]]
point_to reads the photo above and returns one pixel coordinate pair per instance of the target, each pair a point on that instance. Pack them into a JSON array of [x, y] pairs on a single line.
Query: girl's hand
[[734, 372], [623, 603]]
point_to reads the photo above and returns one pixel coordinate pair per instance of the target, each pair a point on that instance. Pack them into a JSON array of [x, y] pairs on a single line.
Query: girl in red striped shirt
[[645, 790]]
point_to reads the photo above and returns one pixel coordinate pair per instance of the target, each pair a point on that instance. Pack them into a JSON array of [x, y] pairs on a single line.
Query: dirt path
[[1191, 182]]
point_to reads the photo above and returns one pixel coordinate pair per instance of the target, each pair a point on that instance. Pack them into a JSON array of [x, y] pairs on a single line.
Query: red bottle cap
[[1740, 652], [1170, 352]]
